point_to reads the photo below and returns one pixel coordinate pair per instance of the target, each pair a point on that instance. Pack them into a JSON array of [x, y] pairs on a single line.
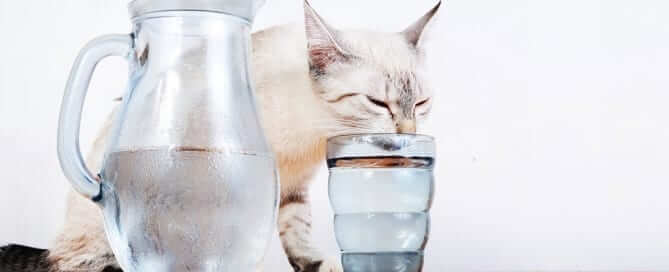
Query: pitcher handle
[[69, 154]]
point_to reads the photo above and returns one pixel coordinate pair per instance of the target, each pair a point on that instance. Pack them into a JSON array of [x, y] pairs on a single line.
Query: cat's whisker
[[339, 125]]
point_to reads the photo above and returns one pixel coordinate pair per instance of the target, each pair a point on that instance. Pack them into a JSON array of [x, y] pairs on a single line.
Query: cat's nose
[[406, 126]]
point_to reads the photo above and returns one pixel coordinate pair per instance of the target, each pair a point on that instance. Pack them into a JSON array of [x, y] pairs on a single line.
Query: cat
[[312, 82]]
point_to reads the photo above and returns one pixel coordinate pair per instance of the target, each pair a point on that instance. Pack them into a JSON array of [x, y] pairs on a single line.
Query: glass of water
[[381, 188]]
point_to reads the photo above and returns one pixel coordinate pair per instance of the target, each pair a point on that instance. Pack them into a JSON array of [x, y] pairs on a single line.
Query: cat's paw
[[89, 253], [331, 265], [315, 265]]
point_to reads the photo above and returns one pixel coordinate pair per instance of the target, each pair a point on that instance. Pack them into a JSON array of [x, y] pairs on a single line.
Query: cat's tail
[[17, 258]]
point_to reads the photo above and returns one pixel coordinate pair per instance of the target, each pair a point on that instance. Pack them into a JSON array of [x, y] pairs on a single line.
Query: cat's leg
[[295, 233], [82, 244]]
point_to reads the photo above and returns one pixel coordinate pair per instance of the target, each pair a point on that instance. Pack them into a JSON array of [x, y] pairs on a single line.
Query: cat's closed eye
[[379, 103], [421, 109], [422, 103]]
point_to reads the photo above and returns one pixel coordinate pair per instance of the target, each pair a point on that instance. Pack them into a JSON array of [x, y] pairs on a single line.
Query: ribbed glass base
[[383, 262]]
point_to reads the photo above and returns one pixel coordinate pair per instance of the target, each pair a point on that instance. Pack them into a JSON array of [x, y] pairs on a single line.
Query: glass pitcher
[[188, 182]]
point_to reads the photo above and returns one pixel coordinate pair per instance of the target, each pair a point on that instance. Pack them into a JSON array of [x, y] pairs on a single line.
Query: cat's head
[[370, 81]]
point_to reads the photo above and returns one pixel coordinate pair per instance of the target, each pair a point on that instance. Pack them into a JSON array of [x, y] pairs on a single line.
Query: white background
[[551, 120]]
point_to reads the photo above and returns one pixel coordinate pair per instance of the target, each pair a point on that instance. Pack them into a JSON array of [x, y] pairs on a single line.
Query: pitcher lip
[[245, 9], [183, 13]]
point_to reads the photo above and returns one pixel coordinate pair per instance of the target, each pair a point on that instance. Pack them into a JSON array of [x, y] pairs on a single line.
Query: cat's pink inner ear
[[321, 57], [414, 33], [321, 40]]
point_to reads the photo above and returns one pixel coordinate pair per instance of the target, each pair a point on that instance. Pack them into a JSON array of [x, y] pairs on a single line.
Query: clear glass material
[[381, 188], [188, 182], [241, 8]]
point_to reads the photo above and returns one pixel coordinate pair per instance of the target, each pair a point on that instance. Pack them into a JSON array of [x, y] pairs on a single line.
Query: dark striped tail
[[17, 258]]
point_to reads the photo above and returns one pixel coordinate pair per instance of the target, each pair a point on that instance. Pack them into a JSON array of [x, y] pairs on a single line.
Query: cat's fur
[[309, 87], [17, 258]]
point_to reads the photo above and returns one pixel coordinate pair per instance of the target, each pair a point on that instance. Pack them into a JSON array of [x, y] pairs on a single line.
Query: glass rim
[[381, 144]]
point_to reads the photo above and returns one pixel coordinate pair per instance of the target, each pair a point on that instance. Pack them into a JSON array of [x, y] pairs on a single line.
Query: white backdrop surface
[[551, 120]]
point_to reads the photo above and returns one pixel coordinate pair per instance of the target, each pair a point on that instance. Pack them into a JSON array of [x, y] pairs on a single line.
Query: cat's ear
[[415, 33], [321, 40]]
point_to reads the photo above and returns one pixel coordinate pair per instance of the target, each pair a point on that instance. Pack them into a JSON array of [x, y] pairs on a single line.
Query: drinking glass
[[381, 188]]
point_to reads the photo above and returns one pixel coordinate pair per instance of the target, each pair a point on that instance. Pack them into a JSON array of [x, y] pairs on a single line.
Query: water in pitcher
[[186, 209]]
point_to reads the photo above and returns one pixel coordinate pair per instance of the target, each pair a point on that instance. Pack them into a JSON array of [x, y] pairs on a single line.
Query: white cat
[[309, 87]]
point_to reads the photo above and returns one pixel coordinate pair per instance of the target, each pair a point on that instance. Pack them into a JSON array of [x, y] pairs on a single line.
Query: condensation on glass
[[188, 181], [381, 188]]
